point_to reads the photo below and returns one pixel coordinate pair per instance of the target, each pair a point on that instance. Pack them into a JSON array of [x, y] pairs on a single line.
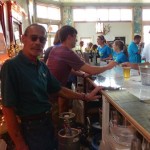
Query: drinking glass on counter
[[145, 144], [114, 118], [126, 72], [136, 144]]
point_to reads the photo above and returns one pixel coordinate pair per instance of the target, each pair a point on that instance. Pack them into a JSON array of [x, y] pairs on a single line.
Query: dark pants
[[39, 134]]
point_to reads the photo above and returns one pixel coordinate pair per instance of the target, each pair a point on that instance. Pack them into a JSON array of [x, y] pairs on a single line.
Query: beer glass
[[126, 72]]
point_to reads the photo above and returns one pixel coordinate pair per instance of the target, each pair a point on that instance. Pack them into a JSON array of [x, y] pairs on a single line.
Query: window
[[53, 28], [145, 15], [48, 12], [91, 14], [42, 9], [126, 14], [54, 13], [114, 14], [102, 14], [77, 15]]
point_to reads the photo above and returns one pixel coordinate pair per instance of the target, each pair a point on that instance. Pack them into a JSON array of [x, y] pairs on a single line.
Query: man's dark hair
[[102, 38], [65, 31], [137, 37], [34, 25], [56, 39]]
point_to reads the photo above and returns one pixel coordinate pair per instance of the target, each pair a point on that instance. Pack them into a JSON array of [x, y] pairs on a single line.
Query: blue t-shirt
[[114, 55], [134, 57], [120, 57], [104, 52]]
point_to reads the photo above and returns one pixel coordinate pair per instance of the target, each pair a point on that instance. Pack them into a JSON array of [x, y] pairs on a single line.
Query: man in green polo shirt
[[26, 85]]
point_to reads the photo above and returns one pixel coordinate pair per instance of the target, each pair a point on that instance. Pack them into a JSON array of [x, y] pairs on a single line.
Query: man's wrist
[[82, 75], [83, 96]]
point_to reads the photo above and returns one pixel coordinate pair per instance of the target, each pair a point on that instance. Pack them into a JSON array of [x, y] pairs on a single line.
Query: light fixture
[[102, 28], [49, 30]]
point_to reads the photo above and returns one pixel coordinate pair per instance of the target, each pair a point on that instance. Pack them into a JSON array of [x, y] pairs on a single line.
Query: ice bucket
[[145, 74]]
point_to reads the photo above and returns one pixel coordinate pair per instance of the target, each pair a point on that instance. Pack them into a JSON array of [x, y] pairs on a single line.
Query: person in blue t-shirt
[[134, 50], [104, 50], [120, 53]]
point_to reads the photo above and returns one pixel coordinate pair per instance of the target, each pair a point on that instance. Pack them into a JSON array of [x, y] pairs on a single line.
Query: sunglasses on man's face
[[36, 37]]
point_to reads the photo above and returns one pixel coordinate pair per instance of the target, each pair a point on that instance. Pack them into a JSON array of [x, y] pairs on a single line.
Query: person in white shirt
[[146, 53]]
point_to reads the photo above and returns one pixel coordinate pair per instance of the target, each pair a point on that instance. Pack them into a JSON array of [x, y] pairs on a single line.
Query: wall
[[67, 16], [137, 20], [127, 29], [117, 29], [23, 4], [25, 22]]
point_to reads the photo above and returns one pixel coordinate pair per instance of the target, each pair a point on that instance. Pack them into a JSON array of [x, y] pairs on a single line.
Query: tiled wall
[[137, 20], [67, 16]]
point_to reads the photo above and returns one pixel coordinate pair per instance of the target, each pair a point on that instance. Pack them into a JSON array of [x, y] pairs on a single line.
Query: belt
[[40, 116]]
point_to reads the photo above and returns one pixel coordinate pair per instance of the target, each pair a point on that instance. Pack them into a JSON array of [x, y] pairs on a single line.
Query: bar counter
[[128, 96]]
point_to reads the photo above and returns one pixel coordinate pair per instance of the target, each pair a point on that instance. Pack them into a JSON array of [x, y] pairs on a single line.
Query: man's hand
[[14, 128], [85, 75], [111, 64], [93, 95], [126, 64], [132, 65]]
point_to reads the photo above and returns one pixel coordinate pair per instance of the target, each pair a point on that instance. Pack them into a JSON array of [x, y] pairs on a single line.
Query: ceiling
[[103, 1]]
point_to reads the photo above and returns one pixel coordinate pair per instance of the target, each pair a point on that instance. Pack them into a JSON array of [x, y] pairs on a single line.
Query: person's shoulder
[[131, 44], [123, 54], [9, 63], [106, 46], [63, 49], [58, 48], [11, 60]]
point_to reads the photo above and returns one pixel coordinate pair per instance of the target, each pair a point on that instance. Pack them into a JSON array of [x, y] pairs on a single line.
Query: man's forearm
[[97, 69], [135, 66], [13, 126], [93, 69], [69, 94]]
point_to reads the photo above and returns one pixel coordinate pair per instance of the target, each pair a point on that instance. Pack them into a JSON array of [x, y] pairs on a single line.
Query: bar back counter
[[128, 97]]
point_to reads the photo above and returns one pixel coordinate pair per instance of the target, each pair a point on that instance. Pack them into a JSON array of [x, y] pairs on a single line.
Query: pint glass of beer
[[126, 72]]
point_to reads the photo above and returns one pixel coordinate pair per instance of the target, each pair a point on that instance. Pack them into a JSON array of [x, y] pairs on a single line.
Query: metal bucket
[[145, 74], [69, 142], [66, 115]]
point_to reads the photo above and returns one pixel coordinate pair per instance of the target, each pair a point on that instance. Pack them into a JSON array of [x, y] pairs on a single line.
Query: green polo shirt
[[26, 86]]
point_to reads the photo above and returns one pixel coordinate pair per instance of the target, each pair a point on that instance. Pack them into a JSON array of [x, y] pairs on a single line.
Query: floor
[[92, 146]]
